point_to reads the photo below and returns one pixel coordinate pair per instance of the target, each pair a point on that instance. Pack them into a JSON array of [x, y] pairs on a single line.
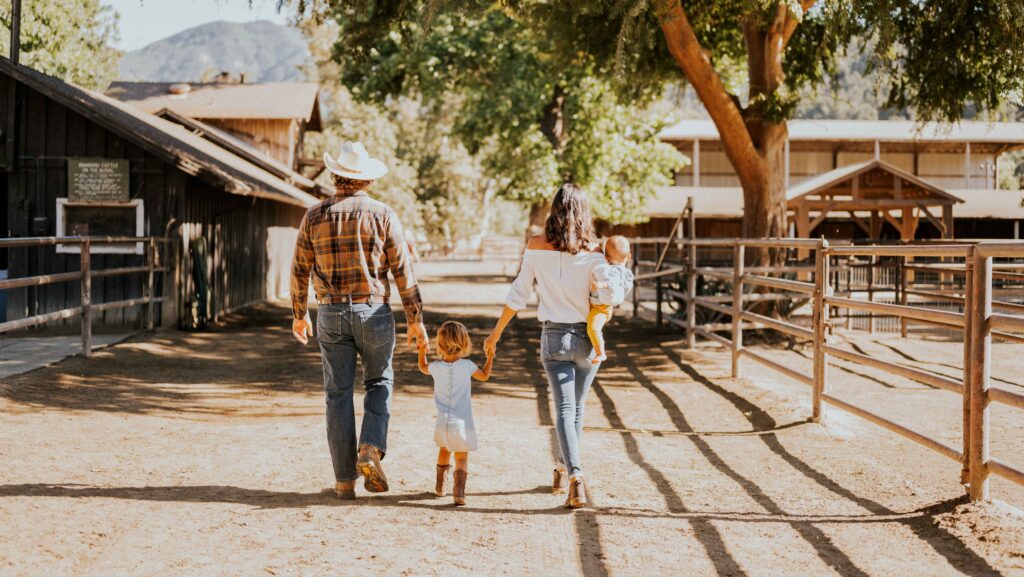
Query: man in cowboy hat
[[350, 242]]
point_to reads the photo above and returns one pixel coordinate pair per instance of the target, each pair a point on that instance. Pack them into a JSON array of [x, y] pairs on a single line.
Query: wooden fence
[[154, 265], [672, 271]]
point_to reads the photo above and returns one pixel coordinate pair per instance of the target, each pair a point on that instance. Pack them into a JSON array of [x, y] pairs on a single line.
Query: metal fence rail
[[84, 276], [815, 286]]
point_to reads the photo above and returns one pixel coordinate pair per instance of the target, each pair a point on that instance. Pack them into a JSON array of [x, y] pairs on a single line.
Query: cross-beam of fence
[[964, 274], [154, 264]]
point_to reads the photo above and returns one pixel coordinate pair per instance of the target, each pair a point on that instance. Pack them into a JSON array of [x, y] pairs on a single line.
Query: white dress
[[454, 429]]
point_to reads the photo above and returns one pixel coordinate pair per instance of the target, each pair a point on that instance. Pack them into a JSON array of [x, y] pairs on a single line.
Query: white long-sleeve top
[[563, 284], [618, 280]]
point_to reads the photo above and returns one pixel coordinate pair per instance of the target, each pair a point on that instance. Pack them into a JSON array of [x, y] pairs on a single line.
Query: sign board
[[97, 180], [121, 219]]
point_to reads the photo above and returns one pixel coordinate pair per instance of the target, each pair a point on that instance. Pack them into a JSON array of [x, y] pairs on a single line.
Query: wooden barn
[[947, 163], [233, 210]]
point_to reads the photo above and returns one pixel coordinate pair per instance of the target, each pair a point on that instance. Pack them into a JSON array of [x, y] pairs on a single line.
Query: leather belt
[[351, 299]]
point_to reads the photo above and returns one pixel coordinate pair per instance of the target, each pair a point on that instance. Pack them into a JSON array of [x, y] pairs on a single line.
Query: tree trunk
[[754, 144], [552, 126]]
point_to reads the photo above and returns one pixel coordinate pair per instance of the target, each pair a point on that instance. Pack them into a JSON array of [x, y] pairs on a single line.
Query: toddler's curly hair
[[453, 339]]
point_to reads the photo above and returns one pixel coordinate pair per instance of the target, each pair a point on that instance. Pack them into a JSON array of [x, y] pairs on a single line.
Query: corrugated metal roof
[[271, 100], [669, 201], [1009, 133], [166, 140]]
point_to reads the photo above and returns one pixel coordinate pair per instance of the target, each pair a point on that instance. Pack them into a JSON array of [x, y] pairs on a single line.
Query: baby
[[611, 283]]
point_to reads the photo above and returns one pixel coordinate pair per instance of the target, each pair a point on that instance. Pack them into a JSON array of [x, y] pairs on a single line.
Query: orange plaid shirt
[[350, 242]]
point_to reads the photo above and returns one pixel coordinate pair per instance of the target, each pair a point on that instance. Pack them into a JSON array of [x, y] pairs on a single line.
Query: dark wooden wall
[[47, 134]]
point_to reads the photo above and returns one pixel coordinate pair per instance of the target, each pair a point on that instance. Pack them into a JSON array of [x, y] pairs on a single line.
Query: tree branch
[[791, 21], [690, 56]]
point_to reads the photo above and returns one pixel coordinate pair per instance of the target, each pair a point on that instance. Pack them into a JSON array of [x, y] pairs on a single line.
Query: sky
[[145, 21]]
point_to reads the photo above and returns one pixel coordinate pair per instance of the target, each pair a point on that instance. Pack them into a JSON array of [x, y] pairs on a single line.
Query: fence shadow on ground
[[267, 362]]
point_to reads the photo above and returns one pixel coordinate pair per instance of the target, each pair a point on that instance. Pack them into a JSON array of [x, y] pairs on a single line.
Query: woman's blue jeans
[[565, 353]]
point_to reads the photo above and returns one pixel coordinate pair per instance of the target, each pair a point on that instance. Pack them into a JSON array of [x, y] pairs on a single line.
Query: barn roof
[[167, 140], [1009, 133], [271, 100]]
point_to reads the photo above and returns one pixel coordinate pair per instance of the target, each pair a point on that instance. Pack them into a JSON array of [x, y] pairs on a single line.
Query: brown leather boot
[[369, 467], [345, 490], [442, 476], [560, 481], [578, 494], [459, 491]]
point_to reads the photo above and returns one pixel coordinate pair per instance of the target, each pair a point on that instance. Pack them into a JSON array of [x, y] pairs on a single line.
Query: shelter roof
[[830, 180], [1009, 133]]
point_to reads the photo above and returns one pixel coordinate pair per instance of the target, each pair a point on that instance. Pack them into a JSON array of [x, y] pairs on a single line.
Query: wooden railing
[[84, 276], [808, 285]]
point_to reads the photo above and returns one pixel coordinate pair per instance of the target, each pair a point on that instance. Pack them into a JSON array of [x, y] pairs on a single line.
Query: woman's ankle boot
[[560, 481], [442, 476], [459, 491], [578, 494]]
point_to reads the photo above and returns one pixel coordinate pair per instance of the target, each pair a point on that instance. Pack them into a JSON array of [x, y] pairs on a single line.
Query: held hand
[[418, 333], [491, 345], [302, 329]]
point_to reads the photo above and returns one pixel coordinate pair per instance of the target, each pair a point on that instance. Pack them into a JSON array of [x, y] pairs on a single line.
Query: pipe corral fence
[[821, 286], [155, 262]]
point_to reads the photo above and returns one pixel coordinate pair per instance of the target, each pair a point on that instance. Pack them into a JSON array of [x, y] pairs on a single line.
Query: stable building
[[77, 162], [907, 179]]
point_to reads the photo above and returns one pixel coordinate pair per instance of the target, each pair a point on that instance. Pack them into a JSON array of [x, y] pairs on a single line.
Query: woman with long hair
[[561, 261]]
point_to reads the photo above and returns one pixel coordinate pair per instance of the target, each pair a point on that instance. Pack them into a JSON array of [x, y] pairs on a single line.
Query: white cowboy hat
[[354, 162]]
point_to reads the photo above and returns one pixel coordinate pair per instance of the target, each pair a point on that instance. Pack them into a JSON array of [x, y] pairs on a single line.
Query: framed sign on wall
[[100, 219]]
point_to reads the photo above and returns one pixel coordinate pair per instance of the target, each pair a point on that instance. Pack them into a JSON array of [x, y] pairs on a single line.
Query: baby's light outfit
[[619, 281]]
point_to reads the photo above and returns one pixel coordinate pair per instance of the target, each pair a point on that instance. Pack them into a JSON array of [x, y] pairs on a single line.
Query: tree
[[937, 57], [534, 117], [70, 40]]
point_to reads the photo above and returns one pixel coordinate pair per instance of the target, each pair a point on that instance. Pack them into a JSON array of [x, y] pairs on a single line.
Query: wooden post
[[903, 297], [15, 32], [820, 320], [636, 289], [737, 308], [965, 475], [86, 286], [150, 292], [981, 343], [657, 301], [691, 278], [871, 292], [849, 291]]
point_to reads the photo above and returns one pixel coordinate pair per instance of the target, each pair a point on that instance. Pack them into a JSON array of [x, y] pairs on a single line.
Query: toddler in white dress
[[454, 431]]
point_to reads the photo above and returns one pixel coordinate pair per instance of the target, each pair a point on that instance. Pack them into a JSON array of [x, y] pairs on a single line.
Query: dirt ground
[[205, 454]]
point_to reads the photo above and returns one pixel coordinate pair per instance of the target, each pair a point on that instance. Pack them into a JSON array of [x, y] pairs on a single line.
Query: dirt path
[[187, 454]]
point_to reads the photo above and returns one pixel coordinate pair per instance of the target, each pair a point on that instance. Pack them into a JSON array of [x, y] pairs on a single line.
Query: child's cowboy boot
[[560, 481], [442, 475], [459, 491]]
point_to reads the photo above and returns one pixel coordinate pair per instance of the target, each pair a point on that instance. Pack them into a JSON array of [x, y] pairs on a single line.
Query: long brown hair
[[570, 226]]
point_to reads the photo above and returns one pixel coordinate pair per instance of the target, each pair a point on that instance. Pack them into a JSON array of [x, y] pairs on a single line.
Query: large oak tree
[[748, 60]]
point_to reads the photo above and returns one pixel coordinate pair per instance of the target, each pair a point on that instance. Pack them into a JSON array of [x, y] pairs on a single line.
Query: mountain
[[263, 50]]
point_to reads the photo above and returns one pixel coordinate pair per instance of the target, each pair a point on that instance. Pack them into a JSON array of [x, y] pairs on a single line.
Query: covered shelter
[[871, 193]]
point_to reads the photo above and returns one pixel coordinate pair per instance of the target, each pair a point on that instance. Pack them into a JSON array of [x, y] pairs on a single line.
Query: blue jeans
[[344, 330], [565, 353]]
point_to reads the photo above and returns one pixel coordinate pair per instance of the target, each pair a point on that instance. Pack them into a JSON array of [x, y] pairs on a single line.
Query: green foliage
[[942, 55], [531, 111], [70, 40]]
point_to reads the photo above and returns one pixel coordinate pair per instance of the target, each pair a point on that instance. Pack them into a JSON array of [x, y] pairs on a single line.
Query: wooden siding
[[275, 138], [47, 135]]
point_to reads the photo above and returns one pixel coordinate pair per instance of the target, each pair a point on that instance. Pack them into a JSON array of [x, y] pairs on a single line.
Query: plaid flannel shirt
[[349, 243]]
